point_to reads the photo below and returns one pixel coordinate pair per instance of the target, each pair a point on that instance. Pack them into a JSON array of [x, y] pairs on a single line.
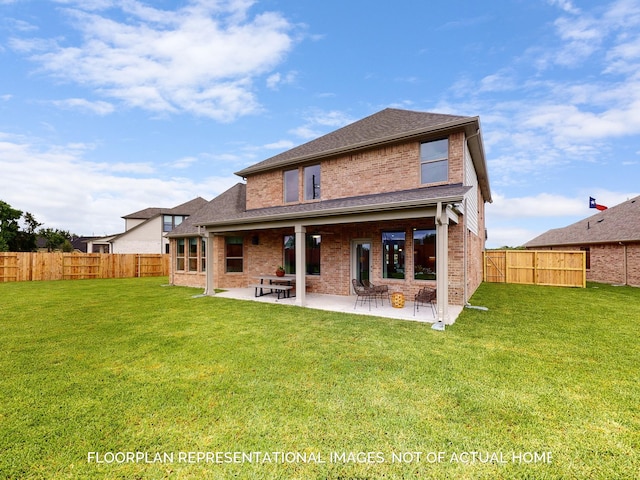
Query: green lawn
[[105, 378]]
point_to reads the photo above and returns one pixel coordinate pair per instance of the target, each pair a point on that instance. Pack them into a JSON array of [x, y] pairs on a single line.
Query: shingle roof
[[231, 201], [187, 208], [229, 207], [385, 126], [620, 223]]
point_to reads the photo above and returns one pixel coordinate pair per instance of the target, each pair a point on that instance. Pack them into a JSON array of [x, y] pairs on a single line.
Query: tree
[[55, 239], [25, 240], [8, 226]]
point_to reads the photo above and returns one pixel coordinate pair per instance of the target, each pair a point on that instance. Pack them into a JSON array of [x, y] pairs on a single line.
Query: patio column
[[209, 289], [442, 263], [301, 256]]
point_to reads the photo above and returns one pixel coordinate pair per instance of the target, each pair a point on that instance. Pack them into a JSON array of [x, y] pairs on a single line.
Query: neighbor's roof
[[229, 207], [616, 224], [385, 127], [187, 208], [232, 202]]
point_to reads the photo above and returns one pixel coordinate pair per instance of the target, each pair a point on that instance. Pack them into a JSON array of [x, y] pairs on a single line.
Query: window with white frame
[[434, 161]]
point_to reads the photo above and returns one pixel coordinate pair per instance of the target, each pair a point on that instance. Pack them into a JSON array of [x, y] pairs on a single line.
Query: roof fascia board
[[438, 129], [380, 212], [328, 220]]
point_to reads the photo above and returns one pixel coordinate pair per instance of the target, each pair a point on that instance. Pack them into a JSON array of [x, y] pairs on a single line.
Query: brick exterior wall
[[378, 170]]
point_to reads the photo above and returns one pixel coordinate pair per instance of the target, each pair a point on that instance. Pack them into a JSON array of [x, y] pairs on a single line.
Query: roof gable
[[230, 202], [620, 223], [386, 126], [187, 208]]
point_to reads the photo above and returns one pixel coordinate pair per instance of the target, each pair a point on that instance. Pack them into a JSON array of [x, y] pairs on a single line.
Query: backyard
[[134, 379]]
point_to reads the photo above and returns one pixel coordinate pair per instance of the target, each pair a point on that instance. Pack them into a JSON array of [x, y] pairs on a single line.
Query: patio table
[[280, 285]]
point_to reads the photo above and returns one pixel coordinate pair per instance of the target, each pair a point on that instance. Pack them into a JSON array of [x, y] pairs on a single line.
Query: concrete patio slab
[[345, 304]]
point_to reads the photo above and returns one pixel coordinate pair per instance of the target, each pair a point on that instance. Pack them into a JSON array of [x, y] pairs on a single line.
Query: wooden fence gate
[[536, 267]]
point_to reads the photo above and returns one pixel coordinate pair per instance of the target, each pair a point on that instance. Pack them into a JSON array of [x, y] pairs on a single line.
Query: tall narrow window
[[312, 182], [434, 161], [312, 251], [291, 186], [393, 252], [234, 254], [289, 254], [203, 256], [180, 254], [193, 254], [424, 254]]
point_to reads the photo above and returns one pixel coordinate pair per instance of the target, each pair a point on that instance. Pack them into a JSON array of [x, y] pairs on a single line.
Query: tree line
[[17, 236]]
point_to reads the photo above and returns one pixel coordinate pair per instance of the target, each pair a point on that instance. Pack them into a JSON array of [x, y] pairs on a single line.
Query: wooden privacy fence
[[537, 267], [33, 266]]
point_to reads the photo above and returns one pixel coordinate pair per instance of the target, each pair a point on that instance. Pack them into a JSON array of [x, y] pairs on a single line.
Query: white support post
[[301, 265], [442, 263], [209, 289]]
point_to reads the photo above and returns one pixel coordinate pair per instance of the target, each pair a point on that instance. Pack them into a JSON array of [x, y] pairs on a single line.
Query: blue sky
[[108, 107]]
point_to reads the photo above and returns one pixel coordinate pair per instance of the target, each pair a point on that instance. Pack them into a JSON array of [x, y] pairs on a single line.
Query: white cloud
[[280, 145], [64, 190], [97, 107], [540, 205], [275, 80], [201, 58]]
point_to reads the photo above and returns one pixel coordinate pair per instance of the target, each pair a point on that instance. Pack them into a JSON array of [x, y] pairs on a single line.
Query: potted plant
[[280, 271]]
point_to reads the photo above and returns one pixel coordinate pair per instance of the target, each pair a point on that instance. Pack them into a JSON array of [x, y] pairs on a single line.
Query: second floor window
[[169, 222], [434, 161], [312, 182], [291, 186]]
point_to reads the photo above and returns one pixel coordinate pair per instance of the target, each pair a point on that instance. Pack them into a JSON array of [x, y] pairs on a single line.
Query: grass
[[117, 366]]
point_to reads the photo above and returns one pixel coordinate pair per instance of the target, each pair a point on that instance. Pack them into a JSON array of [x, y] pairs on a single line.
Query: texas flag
[[593, 204]]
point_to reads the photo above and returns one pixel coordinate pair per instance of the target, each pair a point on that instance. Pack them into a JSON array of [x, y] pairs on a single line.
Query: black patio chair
[[426, 295], [363, 293], [380, 290]]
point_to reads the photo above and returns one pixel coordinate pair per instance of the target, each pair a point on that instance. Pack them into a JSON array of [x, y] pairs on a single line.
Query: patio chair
[[363, 293], [380, 290], [426, 295]]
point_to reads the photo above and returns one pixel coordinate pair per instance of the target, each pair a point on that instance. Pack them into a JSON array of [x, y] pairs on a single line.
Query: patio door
[[361, 259]]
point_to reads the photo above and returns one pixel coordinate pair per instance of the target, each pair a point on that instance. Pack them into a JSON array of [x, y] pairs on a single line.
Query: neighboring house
[[610, 238], [145, 230], [396, 198]]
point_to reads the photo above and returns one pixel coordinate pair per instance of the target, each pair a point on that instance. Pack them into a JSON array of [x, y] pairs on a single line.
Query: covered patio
[[345, 304]]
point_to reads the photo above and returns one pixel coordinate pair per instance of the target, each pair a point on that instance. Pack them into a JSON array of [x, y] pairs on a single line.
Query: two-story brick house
[[396, 198]]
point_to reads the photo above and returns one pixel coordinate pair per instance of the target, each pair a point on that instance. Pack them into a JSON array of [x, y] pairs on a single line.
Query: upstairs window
[[291, 186], [434, 161], [169, 222], [312, 182]]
